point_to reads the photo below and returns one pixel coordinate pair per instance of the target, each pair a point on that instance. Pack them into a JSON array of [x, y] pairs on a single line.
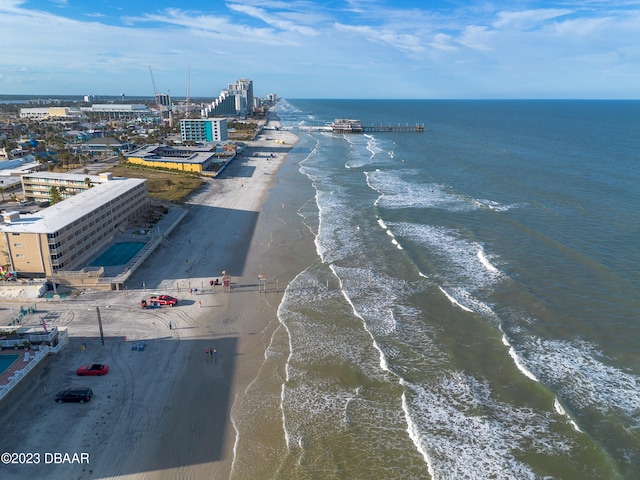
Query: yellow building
[[43, 113], [184, 159]]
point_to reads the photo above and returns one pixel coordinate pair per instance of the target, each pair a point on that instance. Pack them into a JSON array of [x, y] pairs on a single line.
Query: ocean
[[474, 309]]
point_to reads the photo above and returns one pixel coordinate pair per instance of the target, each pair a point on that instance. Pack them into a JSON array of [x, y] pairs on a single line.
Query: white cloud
[[444, 42], [275, 20], [527, 19], [299, 46], [477, 37], [400, 41]]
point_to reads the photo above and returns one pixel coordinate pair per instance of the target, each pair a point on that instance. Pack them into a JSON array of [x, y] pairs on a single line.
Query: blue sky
[[323, 49]]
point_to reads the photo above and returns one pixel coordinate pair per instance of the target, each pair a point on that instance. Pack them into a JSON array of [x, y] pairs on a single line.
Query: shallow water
[[473, 309]]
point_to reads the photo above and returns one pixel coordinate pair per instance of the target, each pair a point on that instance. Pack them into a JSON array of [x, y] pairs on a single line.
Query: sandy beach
[[170, 410]]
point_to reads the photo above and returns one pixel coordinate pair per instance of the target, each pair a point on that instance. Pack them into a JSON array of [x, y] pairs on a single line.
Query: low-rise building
[[47, 113], [38, 186], [184, 159], [104, 146], [118, 111]]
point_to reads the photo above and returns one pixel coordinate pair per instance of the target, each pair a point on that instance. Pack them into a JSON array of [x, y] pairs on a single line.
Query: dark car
[[80, 395], [95, 369]]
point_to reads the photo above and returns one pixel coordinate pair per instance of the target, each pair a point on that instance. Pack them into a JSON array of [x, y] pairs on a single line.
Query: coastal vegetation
[[242, 130], [162, 185]]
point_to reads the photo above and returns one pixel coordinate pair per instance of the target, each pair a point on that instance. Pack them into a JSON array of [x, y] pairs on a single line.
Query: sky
[[427, 49]]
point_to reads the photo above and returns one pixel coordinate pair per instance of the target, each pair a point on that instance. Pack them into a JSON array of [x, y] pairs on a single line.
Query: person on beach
[[170, 325]]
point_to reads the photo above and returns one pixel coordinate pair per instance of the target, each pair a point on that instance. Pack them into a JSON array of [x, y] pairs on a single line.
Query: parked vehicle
[[96, 369], [79, 395], [163, 300]]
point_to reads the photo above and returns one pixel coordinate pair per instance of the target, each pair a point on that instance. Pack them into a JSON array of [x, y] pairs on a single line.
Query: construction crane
[[186, 108], [155, 90]]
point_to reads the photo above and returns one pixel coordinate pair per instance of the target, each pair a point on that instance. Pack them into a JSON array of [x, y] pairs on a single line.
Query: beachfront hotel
[[236, 100], [203, 130], [69, 233]]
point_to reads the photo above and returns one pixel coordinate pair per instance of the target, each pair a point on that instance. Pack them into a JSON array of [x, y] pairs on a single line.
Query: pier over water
[[346, 125], [343, 125]]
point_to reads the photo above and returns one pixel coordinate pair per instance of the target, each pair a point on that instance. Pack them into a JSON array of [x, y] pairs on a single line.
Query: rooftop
[[73, 177], [164, 153], [63, 213]]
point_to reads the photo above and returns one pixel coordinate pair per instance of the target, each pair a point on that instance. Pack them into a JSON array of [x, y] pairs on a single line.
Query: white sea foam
[[287, 435], [414, 434], [485, 261], [463, 272], [383, 360], [497, 206], [462, 264], [581, 374], [364, 150], [394, 240], [316, 404], [453, 300], [465, 433], [557, 406], [398, 189], [516, 359]]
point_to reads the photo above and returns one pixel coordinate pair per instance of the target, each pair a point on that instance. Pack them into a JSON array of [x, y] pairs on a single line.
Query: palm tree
[[54, 193]]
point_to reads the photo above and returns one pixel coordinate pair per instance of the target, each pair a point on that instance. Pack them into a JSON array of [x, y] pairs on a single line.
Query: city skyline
[[582, 49]]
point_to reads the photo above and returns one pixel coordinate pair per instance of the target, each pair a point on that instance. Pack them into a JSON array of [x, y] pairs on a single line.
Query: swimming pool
[[118, 254], [6, 361]]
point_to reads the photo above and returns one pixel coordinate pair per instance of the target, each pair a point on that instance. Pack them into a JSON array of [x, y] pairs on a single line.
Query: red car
[[163, 300], [95, 369]]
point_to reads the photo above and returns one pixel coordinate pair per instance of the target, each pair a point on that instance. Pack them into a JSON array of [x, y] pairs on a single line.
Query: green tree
[[56, 196]]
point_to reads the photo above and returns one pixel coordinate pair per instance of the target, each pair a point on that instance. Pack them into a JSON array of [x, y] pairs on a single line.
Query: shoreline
[[169, 411]]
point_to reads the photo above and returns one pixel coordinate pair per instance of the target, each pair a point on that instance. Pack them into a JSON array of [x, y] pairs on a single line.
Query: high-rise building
[[235, 100], [203, 130], [243, 91]]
